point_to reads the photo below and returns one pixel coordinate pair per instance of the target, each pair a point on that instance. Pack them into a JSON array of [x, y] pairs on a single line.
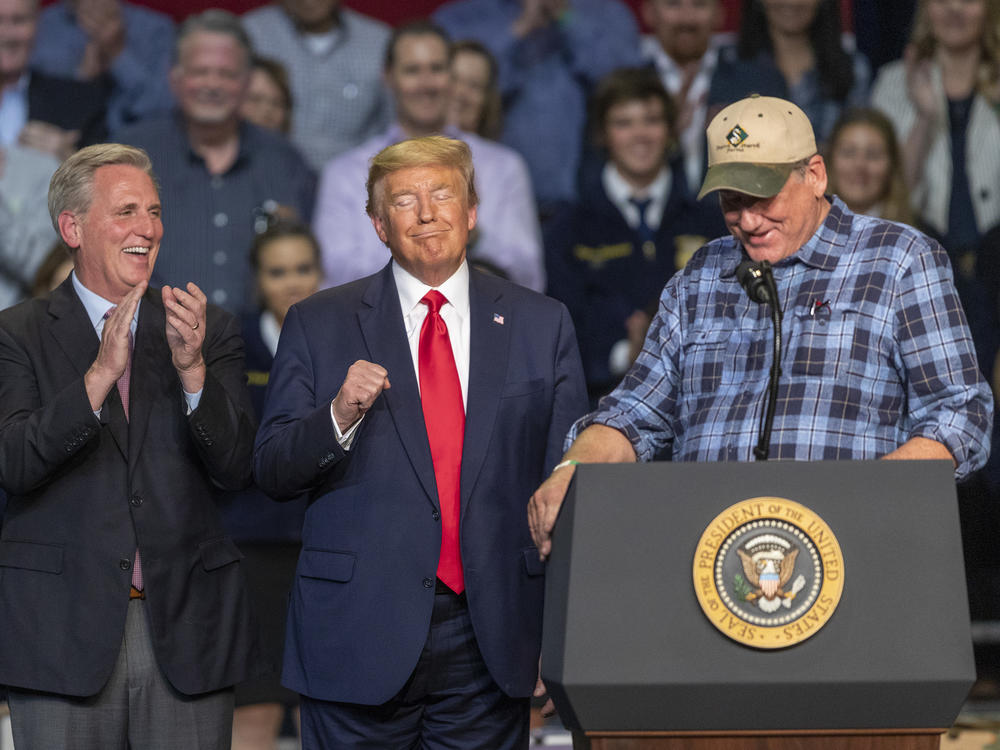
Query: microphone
[[755, 278]]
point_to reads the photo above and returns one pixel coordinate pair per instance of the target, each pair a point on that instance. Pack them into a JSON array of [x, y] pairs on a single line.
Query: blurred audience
[[475, 94], [865, 167], [53, 270], [636, 224], [268, 103], [882, 28], [682, 51], [550, 53], [26, 231], [286, 268], [220, 176], [333, 56], [418, 73], [942, 98], [793, 49], [48, 113], [123, 47]]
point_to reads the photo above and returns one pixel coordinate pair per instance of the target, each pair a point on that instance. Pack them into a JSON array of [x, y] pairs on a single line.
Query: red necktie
[[123, 392], [444, 418]]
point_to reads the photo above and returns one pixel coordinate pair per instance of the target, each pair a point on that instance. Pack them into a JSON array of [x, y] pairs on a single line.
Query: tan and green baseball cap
[[753, 145]]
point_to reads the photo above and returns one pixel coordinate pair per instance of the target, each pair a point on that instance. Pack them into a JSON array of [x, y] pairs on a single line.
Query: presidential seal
[[768, 572]]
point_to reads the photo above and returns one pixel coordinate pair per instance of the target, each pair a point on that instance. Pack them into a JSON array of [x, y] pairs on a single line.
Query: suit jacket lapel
[[72, 329], [489, 341], [381, 322]]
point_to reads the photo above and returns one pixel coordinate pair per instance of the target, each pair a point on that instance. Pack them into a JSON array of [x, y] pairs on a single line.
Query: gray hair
[[72, 186], [213, 21]]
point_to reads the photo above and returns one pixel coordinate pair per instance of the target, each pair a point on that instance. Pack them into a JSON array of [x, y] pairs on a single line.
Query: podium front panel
[[627, 647]]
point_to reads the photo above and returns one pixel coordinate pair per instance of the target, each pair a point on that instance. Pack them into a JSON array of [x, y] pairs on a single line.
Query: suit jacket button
[[136, 500], [436, 516], [428, 583], [124, 563]]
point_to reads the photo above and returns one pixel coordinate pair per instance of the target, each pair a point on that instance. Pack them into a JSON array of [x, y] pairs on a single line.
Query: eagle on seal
[[769, 562]]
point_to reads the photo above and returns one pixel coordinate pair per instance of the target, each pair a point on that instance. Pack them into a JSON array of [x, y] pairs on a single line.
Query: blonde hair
[[988, 76], [432, 150], [895, 196], [72, 185]]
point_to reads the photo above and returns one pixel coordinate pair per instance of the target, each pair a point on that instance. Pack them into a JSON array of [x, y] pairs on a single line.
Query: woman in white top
[[942, 98]]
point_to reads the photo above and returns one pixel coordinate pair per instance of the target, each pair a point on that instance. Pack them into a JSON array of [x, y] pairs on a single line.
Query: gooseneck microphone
[[758, 281], [753, 277]]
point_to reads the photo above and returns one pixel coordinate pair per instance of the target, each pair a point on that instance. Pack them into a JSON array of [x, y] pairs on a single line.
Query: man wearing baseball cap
[[876, 362]]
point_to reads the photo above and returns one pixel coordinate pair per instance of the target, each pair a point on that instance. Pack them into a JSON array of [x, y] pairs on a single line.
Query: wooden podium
[[633, 663]]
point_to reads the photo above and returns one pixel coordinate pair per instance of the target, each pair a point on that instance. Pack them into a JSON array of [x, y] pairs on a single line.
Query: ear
[[380, 229], [473, 214], [816, 174], [69, 229]]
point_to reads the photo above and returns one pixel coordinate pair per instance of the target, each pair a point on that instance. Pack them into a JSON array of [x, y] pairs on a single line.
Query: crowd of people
[[588, 140]]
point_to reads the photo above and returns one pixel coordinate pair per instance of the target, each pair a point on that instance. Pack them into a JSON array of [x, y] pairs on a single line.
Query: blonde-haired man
[[418, 406]]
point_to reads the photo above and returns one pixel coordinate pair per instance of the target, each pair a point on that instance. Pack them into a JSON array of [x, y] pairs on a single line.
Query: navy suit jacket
[[364, 589], [84, 492]]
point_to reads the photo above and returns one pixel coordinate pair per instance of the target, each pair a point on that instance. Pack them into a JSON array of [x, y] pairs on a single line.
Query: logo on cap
[[736, 136]]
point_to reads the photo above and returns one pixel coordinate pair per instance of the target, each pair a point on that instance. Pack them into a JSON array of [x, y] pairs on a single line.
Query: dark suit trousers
[[137, 708], [449, 702]]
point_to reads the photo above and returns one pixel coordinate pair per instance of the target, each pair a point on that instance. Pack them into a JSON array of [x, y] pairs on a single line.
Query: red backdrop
[[394, 11]]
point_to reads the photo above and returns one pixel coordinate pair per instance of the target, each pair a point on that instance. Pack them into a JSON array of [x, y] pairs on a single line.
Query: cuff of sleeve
[[192, 400], [344, 439]]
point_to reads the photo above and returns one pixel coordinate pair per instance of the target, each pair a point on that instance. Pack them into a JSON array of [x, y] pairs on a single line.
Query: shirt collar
[[245, 145], [411, 289], [96, 306], [651, 49], [619, 192]]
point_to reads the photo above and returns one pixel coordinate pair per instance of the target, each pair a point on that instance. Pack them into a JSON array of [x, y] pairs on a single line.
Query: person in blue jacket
[[636, 223]]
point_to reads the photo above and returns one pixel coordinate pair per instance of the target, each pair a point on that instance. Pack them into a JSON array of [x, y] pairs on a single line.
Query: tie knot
[[434, 300], [640, 203]]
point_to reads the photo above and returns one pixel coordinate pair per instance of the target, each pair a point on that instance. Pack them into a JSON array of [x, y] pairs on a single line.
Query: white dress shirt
[[455, 314]]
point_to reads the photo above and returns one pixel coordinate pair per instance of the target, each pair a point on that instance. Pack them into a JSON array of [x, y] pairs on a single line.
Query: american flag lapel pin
[[498, 318]]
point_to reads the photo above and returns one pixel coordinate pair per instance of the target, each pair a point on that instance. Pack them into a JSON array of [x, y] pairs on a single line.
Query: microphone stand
[[758, 281], [767, 416]]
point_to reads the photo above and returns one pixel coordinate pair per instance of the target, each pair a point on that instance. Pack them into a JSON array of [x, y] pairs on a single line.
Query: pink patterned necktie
[[123, 392], [444, 417]]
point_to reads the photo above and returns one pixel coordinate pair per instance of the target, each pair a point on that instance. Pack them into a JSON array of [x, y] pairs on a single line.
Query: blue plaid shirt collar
[[822, 251]]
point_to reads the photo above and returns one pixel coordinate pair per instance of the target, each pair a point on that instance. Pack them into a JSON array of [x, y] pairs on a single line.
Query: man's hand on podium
[[549, 709], [543, 507], [598, 443]]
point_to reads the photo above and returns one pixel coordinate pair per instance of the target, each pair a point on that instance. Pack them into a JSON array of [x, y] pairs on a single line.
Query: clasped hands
[[185, 332]]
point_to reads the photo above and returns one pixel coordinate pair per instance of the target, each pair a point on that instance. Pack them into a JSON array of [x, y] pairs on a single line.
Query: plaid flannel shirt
[[876, 350]]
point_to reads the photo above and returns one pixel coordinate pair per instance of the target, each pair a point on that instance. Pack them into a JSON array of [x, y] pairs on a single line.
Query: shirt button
[[136, 500], [219, 296], [124, 563], [217, 183], [428, 583], [220, 257], [220, 220], [351, 91]]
